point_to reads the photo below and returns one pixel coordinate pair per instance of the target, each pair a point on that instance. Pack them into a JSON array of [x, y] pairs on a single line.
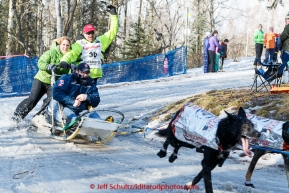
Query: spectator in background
[[284, 44], [277, 49], [205, 51], [269, 44], [259, 41], [213, 44], [42, 81], [223, 53]]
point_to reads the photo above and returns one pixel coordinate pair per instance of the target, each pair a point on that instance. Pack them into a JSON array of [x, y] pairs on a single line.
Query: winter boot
[[221, 68]]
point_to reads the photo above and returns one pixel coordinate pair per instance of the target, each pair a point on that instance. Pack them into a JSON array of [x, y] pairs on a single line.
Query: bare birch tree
[[58, 18], [10, 26]]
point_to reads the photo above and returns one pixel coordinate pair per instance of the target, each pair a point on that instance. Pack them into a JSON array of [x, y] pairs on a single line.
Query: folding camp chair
[[263, 79]]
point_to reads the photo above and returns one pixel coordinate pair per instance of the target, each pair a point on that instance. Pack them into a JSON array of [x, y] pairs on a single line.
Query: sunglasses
[[89, 33]]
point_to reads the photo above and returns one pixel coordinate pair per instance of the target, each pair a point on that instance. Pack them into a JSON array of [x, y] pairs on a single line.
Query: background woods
[[146, 26]]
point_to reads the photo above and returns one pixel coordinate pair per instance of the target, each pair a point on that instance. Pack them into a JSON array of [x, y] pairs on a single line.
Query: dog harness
[[271, 132], [196, 126]]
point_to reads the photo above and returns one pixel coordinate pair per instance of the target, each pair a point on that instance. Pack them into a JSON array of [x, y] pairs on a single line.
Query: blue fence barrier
[[17, 73]]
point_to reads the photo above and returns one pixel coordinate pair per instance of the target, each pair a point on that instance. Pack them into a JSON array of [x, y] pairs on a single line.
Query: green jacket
[[259, 37], [105, 40], [51, 56]]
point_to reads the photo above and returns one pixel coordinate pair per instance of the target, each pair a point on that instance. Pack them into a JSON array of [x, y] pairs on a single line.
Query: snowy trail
[[53, 166], [146, 96]]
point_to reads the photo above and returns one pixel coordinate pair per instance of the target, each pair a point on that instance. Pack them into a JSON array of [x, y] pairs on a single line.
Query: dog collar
[[285, 146], [220, 147]]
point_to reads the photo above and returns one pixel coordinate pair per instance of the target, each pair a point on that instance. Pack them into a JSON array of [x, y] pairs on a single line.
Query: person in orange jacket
[[269, 44]]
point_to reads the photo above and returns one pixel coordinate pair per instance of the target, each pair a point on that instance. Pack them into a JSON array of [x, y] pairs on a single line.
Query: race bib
[[91, 53]]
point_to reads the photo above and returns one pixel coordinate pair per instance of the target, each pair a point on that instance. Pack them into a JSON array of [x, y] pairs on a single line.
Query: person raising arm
[[89, 49]]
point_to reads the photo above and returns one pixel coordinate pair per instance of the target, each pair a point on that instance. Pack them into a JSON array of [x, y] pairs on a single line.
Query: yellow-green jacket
[[51, 56], [104, 41]]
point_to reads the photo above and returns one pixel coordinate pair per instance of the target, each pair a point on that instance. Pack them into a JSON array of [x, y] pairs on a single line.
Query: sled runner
[[100, 130]]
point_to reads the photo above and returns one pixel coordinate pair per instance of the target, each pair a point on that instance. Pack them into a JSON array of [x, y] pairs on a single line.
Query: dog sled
[[98, 131], [90, 124]]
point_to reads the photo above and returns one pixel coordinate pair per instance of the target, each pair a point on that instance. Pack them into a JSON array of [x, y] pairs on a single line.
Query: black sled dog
[[259, 153], [230, 131]]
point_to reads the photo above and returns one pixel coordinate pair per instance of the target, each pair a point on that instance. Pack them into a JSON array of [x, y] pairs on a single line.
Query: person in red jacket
[[269, 44]]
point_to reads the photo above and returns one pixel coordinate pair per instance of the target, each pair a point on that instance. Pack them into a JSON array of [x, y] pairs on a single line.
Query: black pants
[[222, 62], [259, 50], [212, 58], [38, 90]]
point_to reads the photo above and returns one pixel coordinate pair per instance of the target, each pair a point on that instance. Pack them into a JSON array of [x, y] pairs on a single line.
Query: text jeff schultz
[[138, 187]]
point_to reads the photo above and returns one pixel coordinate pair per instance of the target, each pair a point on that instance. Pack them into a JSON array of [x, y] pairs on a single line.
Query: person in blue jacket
[[76, 92]]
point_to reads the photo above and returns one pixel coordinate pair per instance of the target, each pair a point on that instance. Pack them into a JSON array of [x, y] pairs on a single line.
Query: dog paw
[[162, 153], [250, 185], [189, 186], [172, 158]]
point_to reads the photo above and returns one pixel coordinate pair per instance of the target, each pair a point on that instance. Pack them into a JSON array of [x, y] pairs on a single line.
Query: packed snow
[[31, 162]]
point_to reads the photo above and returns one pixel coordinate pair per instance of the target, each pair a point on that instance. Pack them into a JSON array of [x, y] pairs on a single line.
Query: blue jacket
[[68, 87], [206, 44]]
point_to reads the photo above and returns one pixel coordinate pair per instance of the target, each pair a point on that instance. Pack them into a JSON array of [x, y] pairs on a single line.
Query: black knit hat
[[226, 40], [287, 16]]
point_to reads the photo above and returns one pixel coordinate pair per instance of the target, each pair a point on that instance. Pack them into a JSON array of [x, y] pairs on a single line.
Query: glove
[[111, 9], [64, 65], [51, 67], [80, 37], [72, 67]]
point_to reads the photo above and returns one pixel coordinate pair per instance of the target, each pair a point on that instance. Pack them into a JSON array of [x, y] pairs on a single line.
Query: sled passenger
[[42, 80], [76, 92], [89, 49]]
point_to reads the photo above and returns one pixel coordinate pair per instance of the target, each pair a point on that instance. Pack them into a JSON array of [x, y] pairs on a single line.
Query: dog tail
[[162, 132]]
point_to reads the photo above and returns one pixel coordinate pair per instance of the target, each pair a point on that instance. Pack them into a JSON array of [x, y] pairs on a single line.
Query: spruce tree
[[137, 43]]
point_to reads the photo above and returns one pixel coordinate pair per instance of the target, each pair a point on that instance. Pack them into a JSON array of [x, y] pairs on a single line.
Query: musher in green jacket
[[89, 49], [42, 81]]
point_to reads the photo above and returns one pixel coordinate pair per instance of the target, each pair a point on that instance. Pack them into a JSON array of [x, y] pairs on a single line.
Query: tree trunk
[[199, 31], [68, 23], [10, 27], [211, 16], [20, 36], [39, 31], [125, 19], [58, 18]]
